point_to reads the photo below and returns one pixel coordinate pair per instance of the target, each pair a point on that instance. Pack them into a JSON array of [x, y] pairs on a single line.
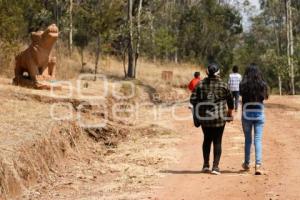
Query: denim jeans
[[253, 120], [236, 96]]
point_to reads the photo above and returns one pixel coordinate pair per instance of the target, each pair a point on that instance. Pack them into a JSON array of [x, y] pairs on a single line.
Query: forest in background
[[179, 31]]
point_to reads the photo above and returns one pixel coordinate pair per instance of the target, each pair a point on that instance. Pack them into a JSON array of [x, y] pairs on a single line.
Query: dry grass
[[67, 68], [73, 164], [148, 72], [151, 73], [129, 171], [138, 162]]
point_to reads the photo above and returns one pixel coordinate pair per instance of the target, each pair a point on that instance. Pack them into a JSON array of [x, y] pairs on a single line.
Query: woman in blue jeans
[[254, 91]]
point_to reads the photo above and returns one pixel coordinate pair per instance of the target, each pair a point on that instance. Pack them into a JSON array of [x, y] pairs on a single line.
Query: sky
[[246, 17], [255, 2]]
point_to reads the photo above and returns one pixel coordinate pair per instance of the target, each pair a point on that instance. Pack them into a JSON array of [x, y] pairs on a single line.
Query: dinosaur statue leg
[[33, 72], [23, 81], [52, 67], [18, 71], [48, 72], [18, 75], [35, 77]]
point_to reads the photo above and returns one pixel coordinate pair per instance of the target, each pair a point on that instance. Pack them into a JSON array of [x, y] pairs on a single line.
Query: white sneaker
[[258, 170]]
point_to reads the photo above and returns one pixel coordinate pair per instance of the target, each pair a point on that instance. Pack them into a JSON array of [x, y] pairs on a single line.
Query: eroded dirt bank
[[45, 158]]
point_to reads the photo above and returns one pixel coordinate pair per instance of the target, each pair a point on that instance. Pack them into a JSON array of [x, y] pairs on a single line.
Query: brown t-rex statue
[[36, 60]]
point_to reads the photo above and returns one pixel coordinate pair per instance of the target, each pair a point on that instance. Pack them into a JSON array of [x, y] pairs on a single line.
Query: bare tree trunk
[[288, 34], [176, 50], [292, 50], [152, 37], [280, 85], [290, 44], [81, 50], [97, 55], [124, 62], [71, 28], [137, 52], [130, 45], [82, 60], [56, 10], [278, 52]]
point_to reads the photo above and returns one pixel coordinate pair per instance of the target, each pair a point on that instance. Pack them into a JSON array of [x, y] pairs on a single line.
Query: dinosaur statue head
[[45, 39]]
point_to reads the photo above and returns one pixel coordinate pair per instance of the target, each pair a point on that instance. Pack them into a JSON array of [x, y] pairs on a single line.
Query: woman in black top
[[254, 91]]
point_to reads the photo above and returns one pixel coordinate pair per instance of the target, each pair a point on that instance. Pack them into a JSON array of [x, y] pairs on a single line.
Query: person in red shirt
[[194, 82], [192, 86]]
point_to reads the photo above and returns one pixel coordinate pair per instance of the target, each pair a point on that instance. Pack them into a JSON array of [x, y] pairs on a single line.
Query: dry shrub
[[68, 67], [7, 58], [151, 72]]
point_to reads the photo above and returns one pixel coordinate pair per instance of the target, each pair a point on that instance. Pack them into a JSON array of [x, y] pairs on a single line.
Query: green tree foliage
[[266, 44], [97, 21], [181, 29], [81, 40], [178, 30], [165, 43], [12, 23]]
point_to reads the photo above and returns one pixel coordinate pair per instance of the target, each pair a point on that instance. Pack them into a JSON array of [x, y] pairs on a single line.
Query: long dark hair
[[253, 85]]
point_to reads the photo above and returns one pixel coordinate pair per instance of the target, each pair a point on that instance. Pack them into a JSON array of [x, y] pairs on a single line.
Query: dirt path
[[281, 153], [139, 165]]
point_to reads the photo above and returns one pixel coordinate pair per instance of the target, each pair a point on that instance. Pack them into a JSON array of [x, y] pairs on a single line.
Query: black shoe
[[246, 166], [215, 171], [205, 169]]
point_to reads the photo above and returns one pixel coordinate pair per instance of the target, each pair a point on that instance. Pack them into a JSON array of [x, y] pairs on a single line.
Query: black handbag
[[195, 112]]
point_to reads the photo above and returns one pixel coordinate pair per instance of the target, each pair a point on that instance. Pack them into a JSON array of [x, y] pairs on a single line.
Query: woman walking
[[212, 99], [254, 91]]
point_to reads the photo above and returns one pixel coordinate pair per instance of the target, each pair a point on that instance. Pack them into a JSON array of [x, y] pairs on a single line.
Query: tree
[[165, 43], [277, 64], [137, 51], [81, 40], [209, 30], [178, 30], [275, 12], [71, 27], [269, 42], [134, 12], [100, 18], [290, 44], [130, 71]]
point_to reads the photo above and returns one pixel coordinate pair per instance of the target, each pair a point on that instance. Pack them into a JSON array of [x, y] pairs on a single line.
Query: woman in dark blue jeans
[[254, 91]]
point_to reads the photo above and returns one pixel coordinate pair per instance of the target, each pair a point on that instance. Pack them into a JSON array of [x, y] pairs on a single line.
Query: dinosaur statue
[[36, 60]]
